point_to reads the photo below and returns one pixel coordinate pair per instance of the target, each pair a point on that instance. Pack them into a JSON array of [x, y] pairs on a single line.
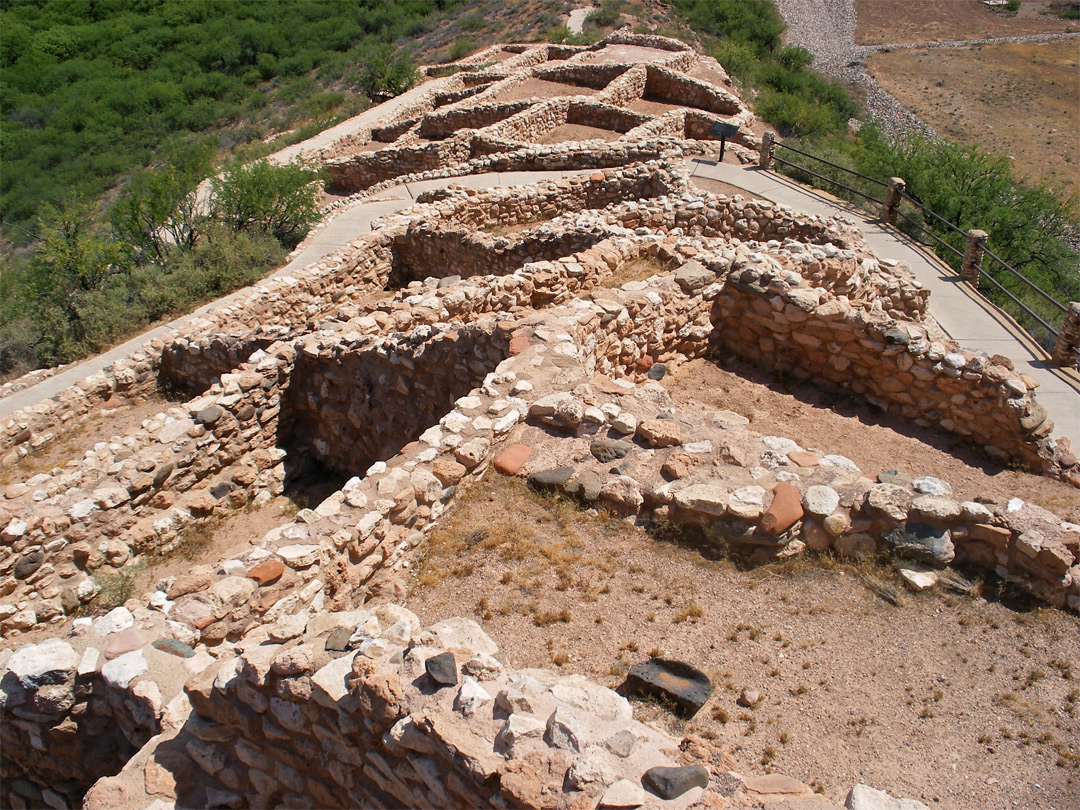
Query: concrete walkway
[[969, 318]]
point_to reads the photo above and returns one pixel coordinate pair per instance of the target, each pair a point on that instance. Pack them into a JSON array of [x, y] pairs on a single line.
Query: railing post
[[973, 256], [892, 199], [1067, 347], [765, 155]]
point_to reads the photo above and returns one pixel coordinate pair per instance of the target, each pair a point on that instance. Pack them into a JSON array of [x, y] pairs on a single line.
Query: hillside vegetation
[[90, 90]]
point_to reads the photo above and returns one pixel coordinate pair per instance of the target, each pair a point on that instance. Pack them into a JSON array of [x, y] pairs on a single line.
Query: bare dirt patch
[[107, 424], [963, 701], [577, 132], [882, 22], [538, 88], [648, 106], [875, 441], [962, 92]]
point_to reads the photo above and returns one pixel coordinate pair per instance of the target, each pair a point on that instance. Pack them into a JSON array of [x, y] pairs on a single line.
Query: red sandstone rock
[[785, 510], [645, 363], [449, 472], [597, 178], [997, 536], [660, 432], [267, 571], [518, 344], [190, 583], [201, 502], [803, 458], [192, 611], [679, 464], [511, 460], [124, 642]]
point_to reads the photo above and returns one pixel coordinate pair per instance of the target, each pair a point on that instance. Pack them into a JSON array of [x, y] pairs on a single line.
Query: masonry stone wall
[[367, 726], [354, 407], [595, 76], [673, 87], [787, 326], [129, 379], [65, 726], [444, 123], [504, 323], [368, 168], [197, 462], [603, 116], [195, 363], [430, 251]]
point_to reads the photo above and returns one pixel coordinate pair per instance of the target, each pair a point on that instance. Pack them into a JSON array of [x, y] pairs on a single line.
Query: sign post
[[725, 131]]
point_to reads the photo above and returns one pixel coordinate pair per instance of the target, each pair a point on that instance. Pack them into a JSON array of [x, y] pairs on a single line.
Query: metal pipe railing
[[828, 179], [931, 234], [1020, 304], [926, 210], [834, 165], [1027, 281], [949, 225]]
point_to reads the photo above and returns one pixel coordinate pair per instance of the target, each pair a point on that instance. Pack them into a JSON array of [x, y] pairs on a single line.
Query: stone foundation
[[439, 348]]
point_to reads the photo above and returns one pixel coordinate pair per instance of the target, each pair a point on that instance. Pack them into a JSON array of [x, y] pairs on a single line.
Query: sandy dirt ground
[[962, 701], [876, 442], [538, 88], [961, 92], [882, 22], [577, 132]]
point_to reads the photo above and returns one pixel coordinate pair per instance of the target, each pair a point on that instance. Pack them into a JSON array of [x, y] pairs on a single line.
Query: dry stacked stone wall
[[507, 334], [348, 714], [355, 406]]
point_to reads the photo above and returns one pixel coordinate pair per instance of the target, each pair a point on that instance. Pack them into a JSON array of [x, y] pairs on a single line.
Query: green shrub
[[605, 16], [91, 90], [461, 48], [263, 196]]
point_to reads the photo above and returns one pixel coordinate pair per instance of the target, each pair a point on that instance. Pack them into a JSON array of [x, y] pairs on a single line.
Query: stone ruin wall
[[478, 125], [237, 734], [353, 407], [146, 503], [343, 714], [783, 287]]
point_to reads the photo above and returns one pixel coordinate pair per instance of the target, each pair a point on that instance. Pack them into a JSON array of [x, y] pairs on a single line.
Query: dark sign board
[[722, 130]]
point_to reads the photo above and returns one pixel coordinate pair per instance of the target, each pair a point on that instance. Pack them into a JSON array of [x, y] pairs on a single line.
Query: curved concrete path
[[345, 227], [966, 316], [970, 319]]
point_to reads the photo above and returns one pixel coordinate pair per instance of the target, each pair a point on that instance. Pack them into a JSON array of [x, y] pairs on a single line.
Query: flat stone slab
[[267, 571], [50, 662], [686, 686], [174, 647], [124, 642], [918, 541], [607, 450], [442, 669], [299, 556], [864, 797], [122, 670], [670, 783], [512, 459], [551, 479]]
